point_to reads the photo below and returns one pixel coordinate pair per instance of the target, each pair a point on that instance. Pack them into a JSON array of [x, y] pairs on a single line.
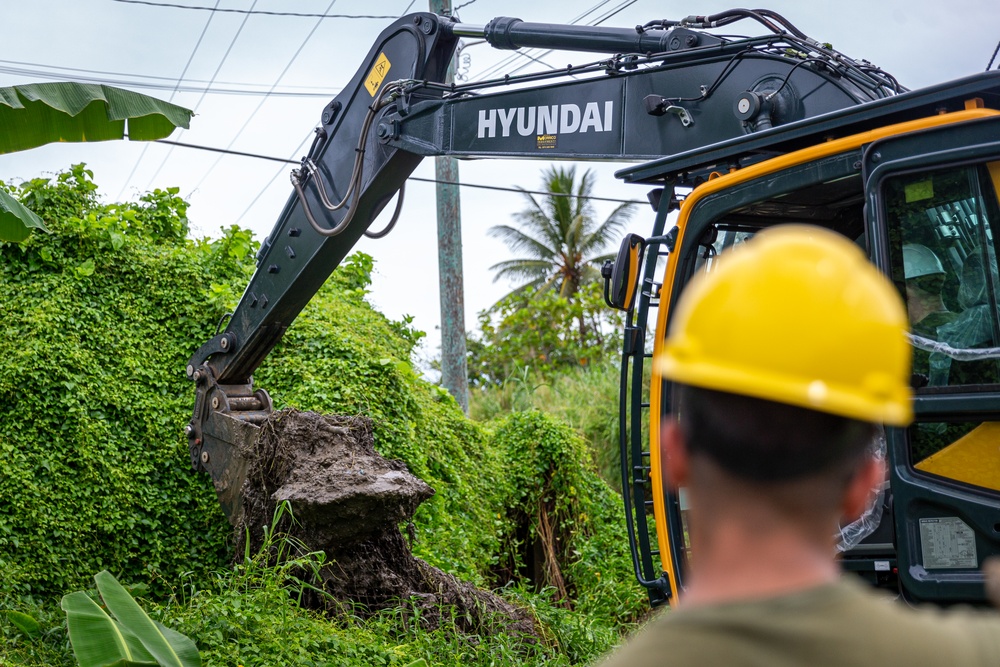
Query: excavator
[[729, 135]]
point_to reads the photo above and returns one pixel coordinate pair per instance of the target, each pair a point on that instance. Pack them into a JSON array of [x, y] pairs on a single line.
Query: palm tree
[[562, 243]]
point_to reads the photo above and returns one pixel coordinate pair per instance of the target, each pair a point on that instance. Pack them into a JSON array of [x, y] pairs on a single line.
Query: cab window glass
[[721, 237], [944, 262]]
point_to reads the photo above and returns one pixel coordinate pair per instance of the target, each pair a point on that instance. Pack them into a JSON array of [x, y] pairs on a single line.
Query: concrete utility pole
[[454, 366]]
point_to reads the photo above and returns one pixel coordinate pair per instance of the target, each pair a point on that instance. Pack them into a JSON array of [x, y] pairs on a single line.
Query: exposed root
[[348, 501]]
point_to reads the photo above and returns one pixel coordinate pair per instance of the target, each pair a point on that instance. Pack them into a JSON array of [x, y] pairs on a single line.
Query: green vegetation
[[530, 354], [100, 317], [552, 344]]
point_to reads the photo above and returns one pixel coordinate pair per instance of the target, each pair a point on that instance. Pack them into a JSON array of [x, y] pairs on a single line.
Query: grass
[[251, 616]]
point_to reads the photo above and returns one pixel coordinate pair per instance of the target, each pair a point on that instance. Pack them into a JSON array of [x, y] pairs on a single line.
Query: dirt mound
[[349, 501]]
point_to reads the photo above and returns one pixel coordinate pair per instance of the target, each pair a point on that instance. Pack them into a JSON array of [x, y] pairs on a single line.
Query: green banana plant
[[28, 626], [36, 114], [128, 639]]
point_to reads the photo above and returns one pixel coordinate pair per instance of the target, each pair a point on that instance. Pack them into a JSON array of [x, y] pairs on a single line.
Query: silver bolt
[[224, 343], [204, 457], [743, 105], [215, 402], [188, 430], [190, 370]]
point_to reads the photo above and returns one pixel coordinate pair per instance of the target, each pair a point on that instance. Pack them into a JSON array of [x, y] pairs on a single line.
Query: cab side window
[[944, 262]]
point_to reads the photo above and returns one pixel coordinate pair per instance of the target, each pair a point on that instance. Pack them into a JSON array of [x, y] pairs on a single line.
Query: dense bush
[[99, 319]]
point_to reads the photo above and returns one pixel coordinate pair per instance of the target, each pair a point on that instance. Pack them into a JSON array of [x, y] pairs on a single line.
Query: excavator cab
[[932, 183]]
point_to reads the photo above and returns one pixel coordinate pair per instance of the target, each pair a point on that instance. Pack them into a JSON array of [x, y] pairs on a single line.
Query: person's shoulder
[[915, 634], [845, 623]]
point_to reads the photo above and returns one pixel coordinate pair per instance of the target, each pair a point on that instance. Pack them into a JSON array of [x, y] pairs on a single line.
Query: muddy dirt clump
[[348, 501]]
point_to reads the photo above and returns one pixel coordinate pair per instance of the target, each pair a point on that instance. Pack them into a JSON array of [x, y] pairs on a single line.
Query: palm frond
[[520, 269], [519, 242], [528, 290], [608, 230]]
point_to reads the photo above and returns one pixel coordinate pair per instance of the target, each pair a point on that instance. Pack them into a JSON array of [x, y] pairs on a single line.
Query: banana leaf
[[23, 622], [130, 639], [16, 221], [97, 639], [40, 113], [36, 114], [168, 648]]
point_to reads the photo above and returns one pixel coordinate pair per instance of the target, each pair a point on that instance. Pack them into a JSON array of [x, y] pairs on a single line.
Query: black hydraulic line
[[732, 16], [783, 21], [298, 176], [395, 216]]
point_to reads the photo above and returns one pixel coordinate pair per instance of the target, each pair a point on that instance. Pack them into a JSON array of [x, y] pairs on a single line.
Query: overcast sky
[[303, 62]]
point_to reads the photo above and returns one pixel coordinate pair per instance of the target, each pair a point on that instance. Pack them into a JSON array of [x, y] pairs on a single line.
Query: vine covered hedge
[[99, 319]]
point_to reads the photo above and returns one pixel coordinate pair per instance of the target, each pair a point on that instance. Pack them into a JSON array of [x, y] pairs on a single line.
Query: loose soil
[[348, 501]]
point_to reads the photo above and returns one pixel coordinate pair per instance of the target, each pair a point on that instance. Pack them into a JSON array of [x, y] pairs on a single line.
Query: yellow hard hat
[[796, 315]]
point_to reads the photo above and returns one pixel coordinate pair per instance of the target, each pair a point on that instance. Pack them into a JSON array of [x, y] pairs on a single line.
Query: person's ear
[[674, 453], [868, 476]]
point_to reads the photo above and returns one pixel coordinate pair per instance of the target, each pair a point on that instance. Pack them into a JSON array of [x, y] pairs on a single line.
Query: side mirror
[[621, 278]]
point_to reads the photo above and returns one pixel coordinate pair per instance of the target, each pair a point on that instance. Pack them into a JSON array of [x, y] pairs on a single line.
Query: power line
[[222, 62], [480, 186], [168, 83], [993, 57], [280, 170], [179, 79], [256, 12], [227, 151], [276, 82]]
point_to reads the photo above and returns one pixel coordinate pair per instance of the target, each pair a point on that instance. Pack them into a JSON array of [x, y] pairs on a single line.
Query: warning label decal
[[947, 543], [378, 74]]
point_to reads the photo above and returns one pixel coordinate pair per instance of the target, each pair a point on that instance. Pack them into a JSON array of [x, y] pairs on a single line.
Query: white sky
[[921, 42]]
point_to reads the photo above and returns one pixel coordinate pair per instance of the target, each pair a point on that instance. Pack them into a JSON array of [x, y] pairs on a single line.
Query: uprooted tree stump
[[348, 501]]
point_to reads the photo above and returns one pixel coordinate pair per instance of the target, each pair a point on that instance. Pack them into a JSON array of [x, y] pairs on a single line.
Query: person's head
[[787, 354], [924, 275]]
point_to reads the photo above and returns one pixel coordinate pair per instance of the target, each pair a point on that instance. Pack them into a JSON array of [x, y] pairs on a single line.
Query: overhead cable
[[215, 74], [993, 57], [479, 186], [93, 76], [280, 170], [145, 147], [275, 85], [257, 11]]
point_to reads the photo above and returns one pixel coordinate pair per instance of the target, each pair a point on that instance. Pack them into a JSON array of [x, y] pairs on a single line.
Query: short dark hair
[[764, 441]]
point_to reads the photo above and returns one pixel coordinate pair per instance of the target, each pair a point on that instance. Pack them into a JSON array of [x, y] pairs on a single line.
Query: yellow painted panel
[[973, 459], [994, 168]]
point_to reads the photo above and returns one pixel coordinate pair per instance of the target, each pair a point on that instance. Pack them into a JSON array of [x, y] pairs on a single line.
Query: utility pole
[[454, 366]]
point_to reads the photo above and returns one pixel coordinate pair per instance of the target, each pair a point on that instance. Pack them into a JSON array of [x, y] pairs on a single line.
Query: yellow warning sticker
[[919, 191], [377, 75]]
